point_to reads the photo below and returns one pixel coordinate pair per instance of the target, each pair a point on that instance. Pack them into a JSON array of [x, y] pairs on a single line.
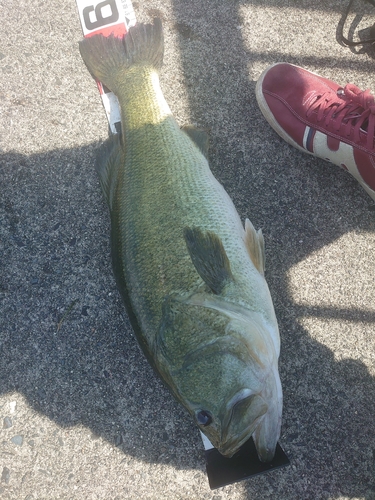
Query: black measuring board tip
[[222, 471]]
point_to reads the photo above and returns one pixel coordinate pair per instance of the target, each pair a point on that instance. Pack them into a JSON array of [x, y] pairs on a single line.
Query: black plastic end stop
[[245, 463]]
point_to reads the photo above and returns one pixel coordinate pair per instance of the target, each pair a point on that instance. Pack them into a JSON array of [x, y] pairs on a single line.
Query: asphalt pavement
[[82, 415]]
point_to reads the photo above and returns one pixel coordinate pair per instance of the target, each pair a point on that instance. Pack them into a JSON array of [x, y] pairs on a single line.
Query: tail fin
[[106, 56]]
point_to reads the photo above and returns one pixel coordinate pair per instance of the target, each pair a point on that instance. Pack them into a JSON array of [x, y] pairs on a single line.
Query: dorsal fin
[[199, 137], [255, 246], [209, 258]]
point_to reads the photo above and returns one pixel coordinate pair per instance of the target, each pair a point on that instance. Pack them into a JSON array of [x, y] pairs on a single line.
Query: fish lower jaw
[[230, 448], [265, 451], [266, 456]]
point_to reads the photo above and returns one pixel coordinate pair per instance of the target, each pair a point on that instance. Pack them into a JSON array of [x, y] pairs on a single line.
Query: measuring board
[[106, 18]]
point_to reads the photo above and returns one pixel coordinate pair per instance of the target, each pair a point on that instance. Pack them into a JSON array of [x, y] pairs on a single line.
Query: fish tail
[[107, 57]]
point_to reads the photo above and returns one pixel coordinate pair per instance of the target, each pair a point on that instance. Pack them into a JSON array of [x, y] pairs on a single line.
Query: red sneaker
[[317, 116]]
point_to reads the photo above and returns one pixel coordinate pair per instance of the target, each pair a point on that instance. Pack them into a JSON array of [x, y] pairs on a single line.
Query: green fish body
[[192, 277]]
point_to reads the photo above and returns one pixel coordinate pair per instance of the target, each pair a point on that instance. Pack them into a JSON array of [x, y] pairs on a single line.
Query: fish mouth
[[230, 448], [247, 410]]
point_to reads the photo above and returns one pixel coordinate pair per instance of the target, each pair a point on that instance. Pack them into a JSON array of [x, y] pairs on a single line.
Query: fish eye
[[204, 418]]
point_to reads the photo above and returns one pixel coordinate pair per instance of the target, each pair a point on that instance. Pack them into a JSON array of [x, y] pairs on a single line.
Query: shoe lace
[[350, 108]]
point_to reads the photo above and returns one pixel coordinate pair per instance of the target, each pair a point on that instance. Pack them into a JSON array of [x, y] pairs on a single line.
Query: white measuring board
[[107, 17]]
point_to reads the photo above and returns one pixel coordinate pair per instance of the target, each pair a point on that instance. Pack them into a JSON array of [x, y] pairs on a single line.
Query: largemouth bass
[[191, 275]]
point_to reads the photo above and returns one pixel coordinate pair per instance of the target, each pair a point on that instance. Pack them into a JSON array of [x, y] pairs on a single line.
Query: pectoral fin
[[209, 258], [255, 246]]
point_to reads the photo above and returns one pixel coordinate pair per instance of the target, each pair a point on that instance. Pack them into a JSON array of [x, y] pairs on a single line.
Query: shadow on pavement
[[68, 348]]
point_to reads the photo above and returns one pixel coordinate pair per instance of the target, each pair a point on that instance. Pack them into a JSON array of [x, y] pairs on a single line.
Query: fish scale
[[192, 277], [158, 222]]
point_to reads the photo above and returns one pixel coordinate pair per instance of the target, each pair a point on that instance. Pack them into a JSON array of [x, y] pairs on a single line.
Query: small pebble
[[84, 310], [7, 423], [12, 406], [118, 440], [18, 440], [5, 475]]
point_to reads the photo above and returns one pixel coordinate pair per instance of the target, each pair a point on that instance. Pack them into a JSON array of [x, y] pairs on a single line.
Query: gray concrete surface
[[82, 415]]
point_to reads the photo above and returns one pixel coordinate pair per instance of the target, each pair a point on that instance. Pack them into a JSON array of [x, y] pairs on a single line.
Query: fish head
[[222, 366]]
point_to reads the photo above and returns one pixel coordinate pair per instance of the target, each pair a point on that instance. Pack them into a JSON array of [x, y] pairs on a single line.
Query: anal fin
[[107, 164]]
